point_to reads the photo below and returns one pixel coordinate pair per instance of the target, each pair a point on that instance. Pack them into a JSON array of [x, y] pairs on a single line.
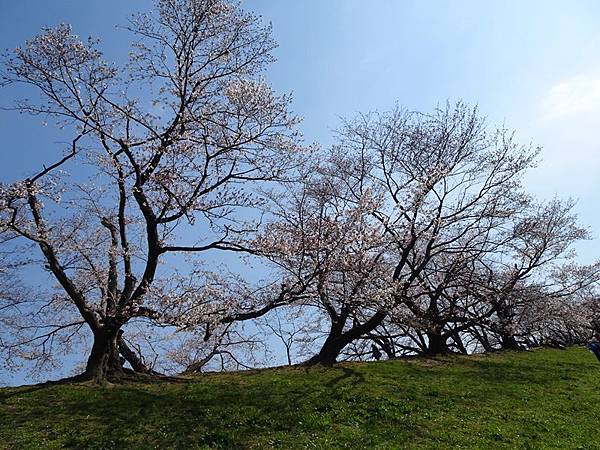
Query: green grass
[[539, 399]]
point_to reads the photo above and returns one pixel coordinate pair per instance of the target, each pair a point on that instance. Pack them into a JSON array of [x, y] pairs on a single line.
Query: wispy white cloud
[[577, 95]]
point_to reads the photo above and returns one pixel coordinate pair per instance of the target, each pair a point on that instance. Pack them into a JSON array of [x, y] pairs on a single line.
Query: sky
[[532, 66]]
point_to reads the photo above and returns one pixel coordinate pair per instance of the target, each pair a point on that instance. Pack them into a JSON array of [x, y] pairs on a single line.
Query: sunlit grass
[[539, 399]]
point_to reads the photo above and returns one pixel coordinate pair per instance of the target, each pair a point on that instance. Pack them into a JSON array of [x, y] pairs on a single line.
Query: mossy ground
[[537, 399]]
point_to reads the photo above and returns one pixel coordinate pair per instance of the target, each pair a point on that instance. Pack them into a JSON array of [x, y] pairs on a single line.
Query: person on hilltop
[[594, 345]]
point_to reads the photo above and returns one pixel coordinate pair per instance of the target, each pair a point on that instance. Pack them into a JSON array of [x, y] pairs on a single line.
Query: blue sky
[[532, 65]]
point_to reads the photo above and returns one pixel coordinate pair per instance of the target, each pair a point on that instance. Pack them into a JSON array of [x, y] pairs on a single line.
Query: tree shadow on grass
[[228, 412], [211, 414], [347, 373], [77, 380], [133, 417]]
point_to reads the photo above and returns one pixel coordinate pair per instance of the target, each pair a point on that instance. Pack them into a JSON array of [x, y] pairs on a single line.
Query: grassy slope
[[540, 399]]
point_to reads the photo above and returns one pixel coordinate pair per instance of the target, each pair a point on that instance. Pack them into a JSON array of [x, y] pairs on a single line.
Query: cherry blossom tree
[[527, 277], [412, 232], [403, 206], [440, 307], [519, 285], [165, 155], [445, 183], [336, 250]]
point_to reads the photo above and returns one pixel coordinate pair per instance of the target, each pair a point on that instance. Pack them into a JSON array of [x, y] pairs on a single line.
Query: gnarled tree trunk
[[331, 349], [509, 342], [104, 362], [338, 339], [437, 344]]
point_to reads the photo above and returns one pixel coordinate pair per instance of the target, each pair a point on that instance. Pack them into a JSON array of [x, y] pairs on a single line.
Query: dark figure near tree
[[376, 352], [594, 346]]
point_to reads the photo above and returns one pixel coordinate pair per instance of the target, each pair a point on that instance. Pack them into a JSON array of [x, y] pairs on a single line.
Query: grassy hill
[[539, 399]]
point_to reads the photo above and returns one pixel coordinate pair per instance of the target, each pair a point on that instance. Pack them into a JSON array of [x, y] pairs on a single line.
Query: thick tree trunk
[[509, 342], [331, 349], [337, 340], [437, 344], [507, 338], [104, 362]]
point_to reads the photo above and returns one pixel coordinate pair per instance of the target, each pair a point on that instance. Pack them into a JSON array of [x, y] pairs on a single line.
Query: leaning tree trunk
[[135, 361], [331, 349], [338, 339], [458, 342], [482, 337], [104, 362]]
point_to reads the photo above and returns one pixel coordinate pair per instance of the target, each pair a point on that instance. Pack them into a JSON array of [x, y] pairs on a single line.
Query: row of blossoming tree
[[412, 234]]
